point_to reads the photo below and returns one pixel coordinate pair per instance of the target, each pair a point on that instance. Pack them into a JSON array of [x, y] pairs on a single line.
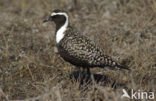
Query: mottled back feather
[[79, 50]]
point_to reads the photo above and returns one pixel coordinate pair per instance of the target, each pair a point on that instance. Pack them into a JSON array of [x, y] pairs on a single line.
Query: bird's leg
[[88, 74], [80, 73], [81, 76], [88, 71]]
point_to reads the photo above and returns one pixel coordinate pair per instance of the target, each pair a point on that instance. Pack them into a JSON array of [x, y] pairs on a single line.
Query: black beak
[[49, 19]]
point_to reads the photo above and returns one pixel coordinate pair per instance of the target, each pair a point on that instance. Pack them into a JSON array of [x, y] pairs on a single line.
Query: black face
[[56, 18]]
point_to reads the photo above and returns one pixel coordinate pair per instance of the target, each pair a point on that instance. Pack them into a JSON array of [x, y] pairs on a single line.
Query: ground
[[31, 69]]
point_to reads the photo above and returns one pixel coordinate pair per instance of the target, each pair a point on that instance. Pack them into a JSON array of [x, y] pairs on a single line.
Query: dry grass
[[31, 70]]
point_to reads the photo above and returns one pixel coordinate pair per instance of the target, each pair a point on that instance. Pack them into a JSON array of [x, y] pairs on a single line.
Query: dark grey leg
[[88, 71]]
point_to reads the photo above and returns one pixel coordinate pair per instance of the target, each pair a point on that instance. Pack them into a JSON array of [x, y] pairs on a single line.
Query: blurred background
[[30, 68]]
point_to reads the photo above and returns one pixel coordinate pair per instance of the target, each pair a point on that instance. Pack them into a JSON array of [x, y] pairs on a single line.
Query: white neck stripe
[[60, 32]]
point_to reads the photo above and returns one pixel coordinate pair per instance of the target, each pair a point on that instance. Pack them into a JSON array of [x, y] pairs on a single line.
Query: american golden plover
[[77, 48]]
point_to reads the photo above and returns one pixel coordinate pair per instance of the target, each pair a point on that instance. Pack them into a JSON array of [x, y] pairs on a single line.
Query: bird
[[77, 48]]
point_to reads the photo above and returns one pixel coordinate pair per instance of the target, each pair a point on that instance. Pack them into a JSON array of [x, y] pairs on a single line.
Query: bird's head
[[59, 17]]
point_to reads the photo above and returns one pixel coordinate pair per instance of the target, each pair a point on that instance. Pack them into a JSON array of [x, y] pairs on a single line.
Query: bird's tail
[[109, 63], [116, 67], [122, 66]]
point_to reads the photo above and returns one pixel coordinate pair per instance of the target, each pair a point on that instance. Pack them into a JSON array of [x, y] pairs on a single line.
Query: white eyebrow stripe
[[60, 13]]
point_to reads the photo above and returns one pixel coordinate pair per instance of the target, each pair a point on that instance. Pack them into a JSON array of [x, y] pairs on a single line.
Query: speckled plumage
[[79, 50]]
